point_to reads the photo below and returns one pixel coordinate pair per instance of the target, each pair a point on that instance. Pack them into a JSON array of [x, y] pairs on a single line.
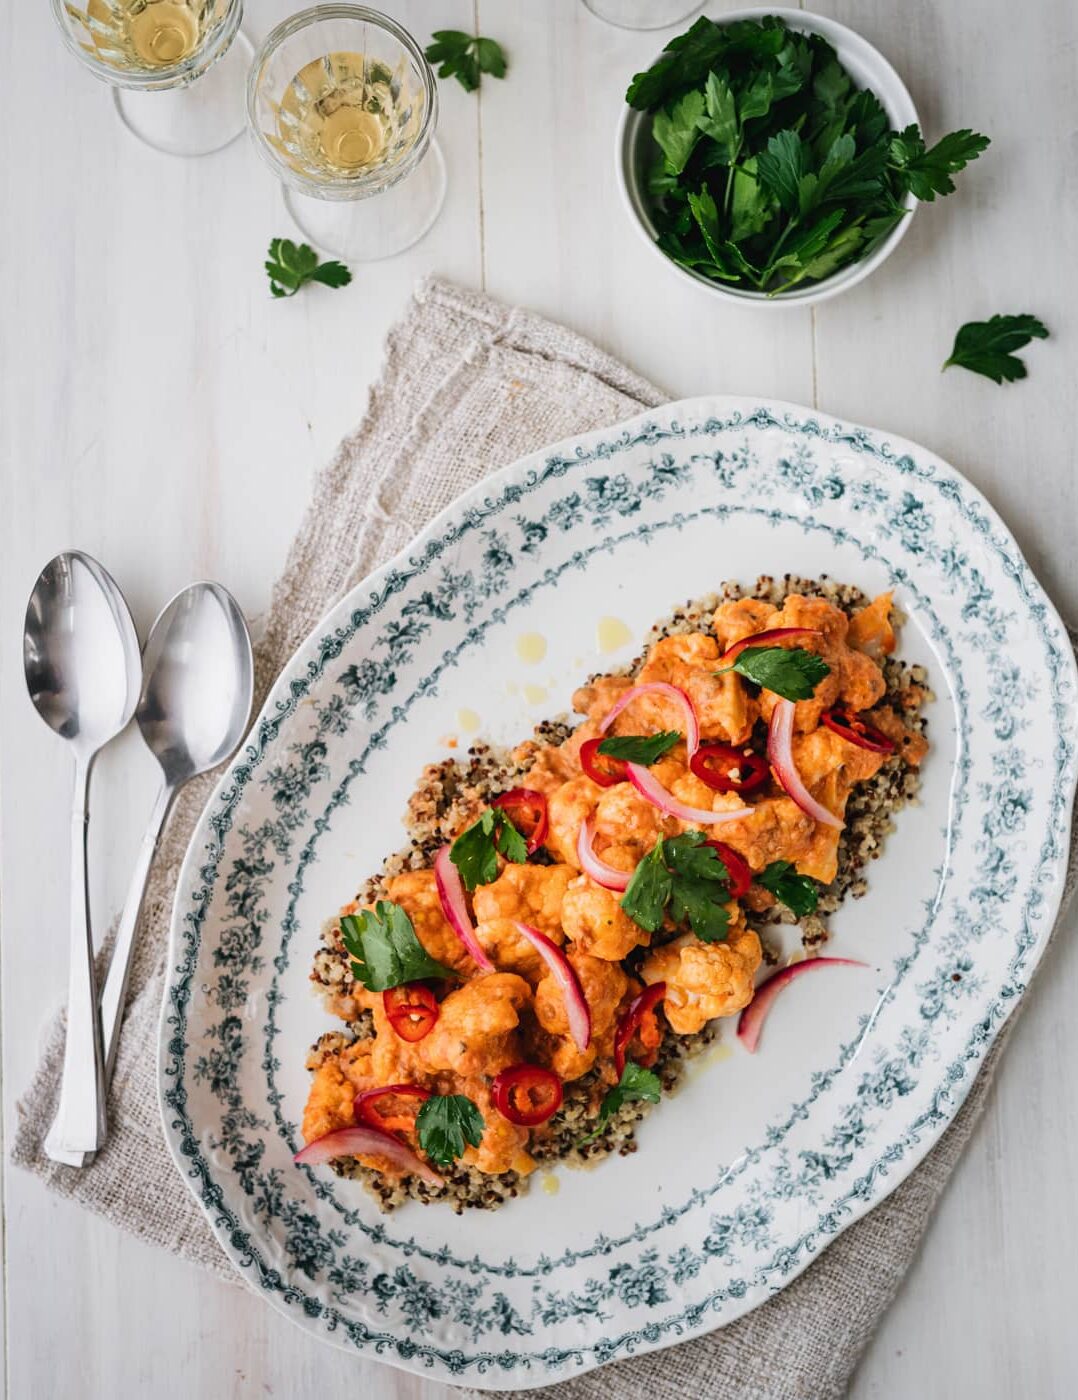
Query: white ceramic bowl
[[866, 66]]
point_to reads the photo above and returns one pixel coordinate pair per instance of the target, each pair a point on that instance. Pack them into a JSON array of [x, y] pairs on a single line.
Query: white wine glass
[[643, 14], [342, 106], [176, 67]]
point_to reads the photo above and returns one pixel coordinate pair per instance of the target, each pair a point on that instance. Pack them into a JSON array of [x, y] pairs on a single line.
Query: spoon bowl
[[81, 652], [198, 682]]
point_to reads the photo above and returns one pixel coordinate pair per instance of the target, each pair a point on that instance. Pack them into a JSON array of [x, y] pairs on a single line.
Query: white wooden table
[[161, 411]]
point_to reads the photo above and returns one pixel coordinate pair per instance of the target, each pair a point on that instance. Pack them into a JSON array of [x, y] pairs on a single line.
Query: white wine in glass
[[152, 53], [342, 105]]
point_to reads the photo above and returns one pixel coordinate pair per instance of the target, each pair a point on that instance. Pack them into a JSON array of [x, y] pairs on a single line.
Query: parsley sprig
[[446, 1124], [636, 1085], [291, 266], [465, 57], [987, 347], [385, 950], [791, 672], [475, 851], [640, 748], [798, 892], [686, 876], [775, 169]]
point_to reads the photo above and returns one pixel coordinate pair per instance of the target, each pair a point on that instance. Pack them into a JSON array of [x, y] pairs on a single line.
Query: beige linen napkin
[[468, 386]]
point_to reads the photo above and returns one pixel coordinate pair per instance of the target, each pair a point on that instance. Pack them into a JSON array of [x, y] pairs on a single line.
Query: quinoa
[[452, 793]]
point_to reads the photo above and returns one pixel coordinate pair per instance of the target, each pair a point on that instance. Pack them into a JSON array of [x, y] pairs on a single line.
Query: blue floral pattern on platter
[[397, 1287]]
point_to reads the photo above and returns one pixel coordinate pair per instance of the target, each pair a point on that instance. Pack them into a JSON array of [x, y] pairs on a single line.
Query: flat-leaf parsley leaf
[[465, 57], [640, 748], [798, 892], [686, 874], [986, 347], [475, 851], [636, 1085], [291, 266], [791, 672], [446, 1124], [385, 948]]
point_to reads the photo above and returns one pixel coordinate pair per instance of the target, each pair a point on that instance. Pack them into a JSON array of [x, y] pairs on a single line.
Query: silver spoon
[[197, 688], [81, 658]]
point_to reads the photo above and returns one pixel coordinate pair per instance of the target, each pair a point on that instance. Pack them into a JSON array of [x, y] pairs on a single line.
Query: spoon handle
[[115, 991], [80, 1125]]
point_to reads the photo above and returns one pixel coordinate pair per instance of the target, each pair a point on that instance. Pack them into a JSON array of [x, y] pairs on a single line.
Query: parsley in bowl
[[775, 156]]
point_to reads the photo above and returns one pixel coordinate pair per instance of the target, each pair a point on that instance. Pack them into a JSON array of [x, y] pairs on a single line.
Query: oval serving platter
[[757, 1162]]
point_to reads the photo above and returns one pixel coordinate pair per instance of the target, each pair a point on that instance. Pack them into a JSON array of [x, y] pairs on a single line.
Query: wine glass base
[[643, 14], [195, 120], [366, 230]]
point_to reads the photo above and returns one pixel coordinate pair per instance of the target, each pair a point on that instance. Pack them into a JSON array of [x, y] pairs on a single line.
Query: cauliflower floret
[[775, 828], [329, 1101], [854, 678], [742, 618], [568, 808], [476, 1028], [599, 696], [596, 922], [416, 891], [624, 817], [604, 985], [503, 1146], [724, 708], [704, 980], [871, 630], [531, 893]]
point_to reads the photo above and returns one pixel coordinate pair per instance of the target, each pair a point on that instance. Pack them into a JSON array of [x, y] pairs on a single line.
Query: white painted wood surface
[[152, 391]]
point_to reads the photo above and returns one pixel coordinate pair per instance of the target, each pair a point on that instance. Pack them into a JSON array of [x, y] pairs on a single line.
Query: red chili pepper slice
[[526, 1094], [528, 812], [715, 765], [844, 721], [737, 867], [640, 1018], [411, 1009], [601, 768], [366, 1105], [763, 639]]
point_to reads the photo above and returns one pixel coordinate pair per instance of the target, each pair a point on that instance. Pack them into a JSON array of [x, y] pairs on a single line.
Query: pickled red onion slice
[[780, 751], [576, 1006], [590, 863], [751, 1021], [367, 1142], [455, 907], [671, 692], [647, 785]]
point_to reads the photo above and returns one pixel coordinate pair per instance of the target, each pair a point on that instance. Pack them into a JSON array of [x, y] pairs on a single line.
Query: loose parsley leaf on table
[[446, 1124], [986, 347], [475, 851], [798, 892], [640, 748], [686, 875], [290, 267], [385, 949], [635, 1085], [791, 672], [773, 170], [465, 57]]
